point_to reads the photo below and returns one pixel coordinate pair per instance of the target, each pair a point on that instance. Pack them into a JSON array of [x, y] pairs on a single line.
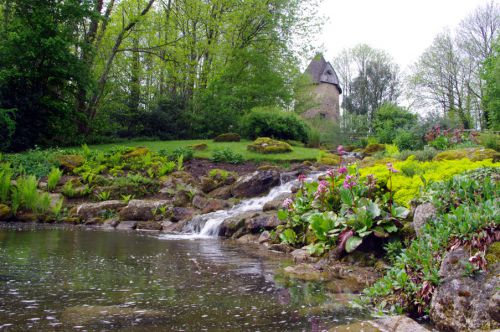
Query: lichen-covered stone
[[423, 213], [136, 152], [92, 210], [142, 209], [70, 161], [268, 145], [329, 159], [4, 212], [372, 148], [256, 184], [474, 154], [228, 137]]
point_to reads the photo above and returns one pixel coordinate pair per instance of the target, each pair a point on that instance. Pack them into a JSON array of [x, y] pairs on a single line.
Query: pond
[[74, 279]]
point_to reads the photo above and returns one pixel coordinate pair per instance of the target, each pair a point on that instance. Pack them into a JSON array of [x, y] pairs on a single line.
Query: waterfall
[[208, 225]]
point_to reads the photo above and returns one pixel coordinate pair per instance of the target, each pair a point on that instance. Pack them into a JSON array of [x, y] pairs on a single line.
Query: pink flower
[[302, 178], [391, 169], [322, 188], [340, 150], [349, 183], [342, 170], [288, 204], [332, 173]]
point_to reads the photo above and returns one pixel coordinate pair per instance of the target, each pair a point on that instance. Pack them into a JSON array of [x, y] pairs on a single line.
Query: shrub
[[5, 181], [228, 137], [227, 155], [490, 140], [389, 119], [267, 145], [8, 125], [407, 140], [440, 143], [372, 148], [187, 153], [53, 178], [275, 123]]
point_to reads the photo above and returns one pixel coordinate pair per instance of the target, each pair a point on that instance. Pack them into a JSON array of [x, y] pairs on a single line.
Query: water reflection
[[60, 279]]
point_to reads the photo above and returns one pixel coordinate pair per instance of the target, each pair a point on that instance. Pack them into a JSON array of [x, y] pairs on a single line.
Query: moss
[[199, 147], [372, 148], [268, 145], [329, 159], [228, 137], [137, 152], [221, 174], [70, 161], [408, 231], [493, 253], [475, 154], [4, 212]]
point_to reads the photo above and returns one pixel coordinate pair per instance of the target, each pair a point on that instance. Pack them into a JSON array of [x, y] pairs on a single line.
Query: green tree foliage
[[39, 71], [491, 89], [389, 119]]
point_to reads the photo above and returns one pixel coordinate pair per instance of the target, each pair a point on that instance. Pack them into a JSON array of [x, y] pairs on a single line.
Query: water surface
[[71, 279]]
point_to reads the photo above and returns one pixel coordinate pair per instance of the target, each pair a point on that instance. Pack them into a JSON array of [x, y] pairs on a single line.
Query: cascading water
[[207, 225]]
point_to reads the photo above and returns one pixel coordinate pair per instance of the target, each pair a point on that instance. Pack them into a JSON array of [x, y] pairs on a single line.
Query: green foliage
[[8, 123], [275, 123], [127, 198], [167, 168], [390, 121], [103, 195], [227, 156], [414, 274], [490, 140], [185, 152], [36, 162], [5, 181], [491, 90], [440, 143], [219, 174], [407, 140], [53, 178]]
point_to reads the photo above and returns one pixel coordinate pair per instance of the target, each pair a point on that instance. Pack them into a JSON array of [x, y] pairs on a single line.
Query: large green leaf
[[288, 236], [345, 196], [282, 215], [352, 243], [373, 209]]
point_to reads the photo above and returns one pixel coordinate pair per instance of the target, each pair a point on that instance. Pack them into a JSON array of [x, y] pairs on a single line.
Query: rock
[[228, 137], [26, 216], [262, 222], [149, 226], [235, 224], [493, 306], [303, 256], [207, 184], [199, 147], [172, 227], [289, 176], [276, 203], [182, 198], [423, 213], [267, 145], [92, 221], [127, 225], [398, 323], [4, 212], [462, 302], [180, 213], [306, 272], [92, 210], [224, 192], [199, 202], [183, 177], [136, 152], [70, 161], [110, 223], [281, 247], [256, 184], [248, 238], [141, 209], [216, 205], [264, 237]]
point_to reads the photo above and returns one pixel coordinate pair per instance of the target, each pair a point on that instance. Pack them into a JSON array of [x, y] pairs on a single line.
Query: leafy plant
[[5, 181], [227, 155], [103, 195], [127, 198], [180, 162], [53, 178], [166, 168]]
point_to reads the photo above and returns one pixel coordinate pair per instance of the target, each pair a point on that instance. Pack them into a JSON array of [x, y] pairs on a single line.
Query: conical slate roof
[[322, 71]]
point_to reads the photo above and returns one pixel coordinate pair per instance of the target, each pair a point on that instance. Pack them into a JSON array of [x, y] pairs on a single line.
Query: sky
[[403, 28]]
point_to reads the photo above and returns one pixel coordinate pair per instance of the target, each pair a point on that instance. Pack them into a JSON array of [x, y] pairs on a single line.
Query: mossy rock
[[330, 159], [136, 152], [475, 154], [199, 147], [228, 137], [493, 253], [268, 145], [70, 161], [373, 148], [4, 212]]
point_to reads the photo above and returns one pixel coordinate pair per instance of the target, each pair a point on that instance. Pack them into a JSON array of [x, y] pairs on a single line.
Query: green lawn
[[298, 153]]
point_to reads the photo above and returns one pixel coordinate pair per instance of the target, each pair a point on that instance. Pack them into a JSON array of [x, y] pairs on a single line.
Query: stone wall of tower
[[327, 106]]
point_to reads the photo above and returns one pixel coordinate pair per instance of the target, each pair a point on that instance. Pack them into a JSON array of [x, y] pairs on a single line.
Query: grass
[[298, 153]]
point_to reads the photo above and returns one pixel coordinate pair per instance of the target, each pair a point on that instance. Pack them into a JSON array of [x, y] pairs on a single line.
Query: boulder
[[306, 272], [110, 223], [127, 225], [276, 203], [228, 137], [216, 205], [303, 256], [281, 247], [398, 323], [264, 237], [173, 227], [423, 213], [149, 225], [141, 209], [92, 210], [208, 184], [462, 302], [182, 198], [235, 225], [255, 184], [249, 238], [4, 212], [268, 145], [261, 222], [199, 202], [70, 161], [224, 192], [289, 176], [180, 213], [26, 216]]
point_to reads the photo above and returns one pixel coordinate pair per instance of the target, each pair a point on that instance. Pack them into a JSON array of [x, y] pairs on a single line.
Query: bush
[[53, 178], [407, 140], [267, 145], [8, 125], [228, 137], [390, 118], [275, 123], [187, 153], [490, 140], [227, 155], [372, 148]]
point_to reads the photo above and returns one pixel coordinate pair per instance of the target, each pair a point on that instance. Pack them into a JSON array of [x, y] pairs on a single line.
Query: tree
[[376, 81], [491, 88], [389, 119], [39, 72]]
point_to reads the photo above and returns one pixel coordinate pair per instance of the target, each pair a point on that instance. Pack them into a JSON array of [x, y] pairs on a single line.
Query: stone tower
[[326, 90]]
